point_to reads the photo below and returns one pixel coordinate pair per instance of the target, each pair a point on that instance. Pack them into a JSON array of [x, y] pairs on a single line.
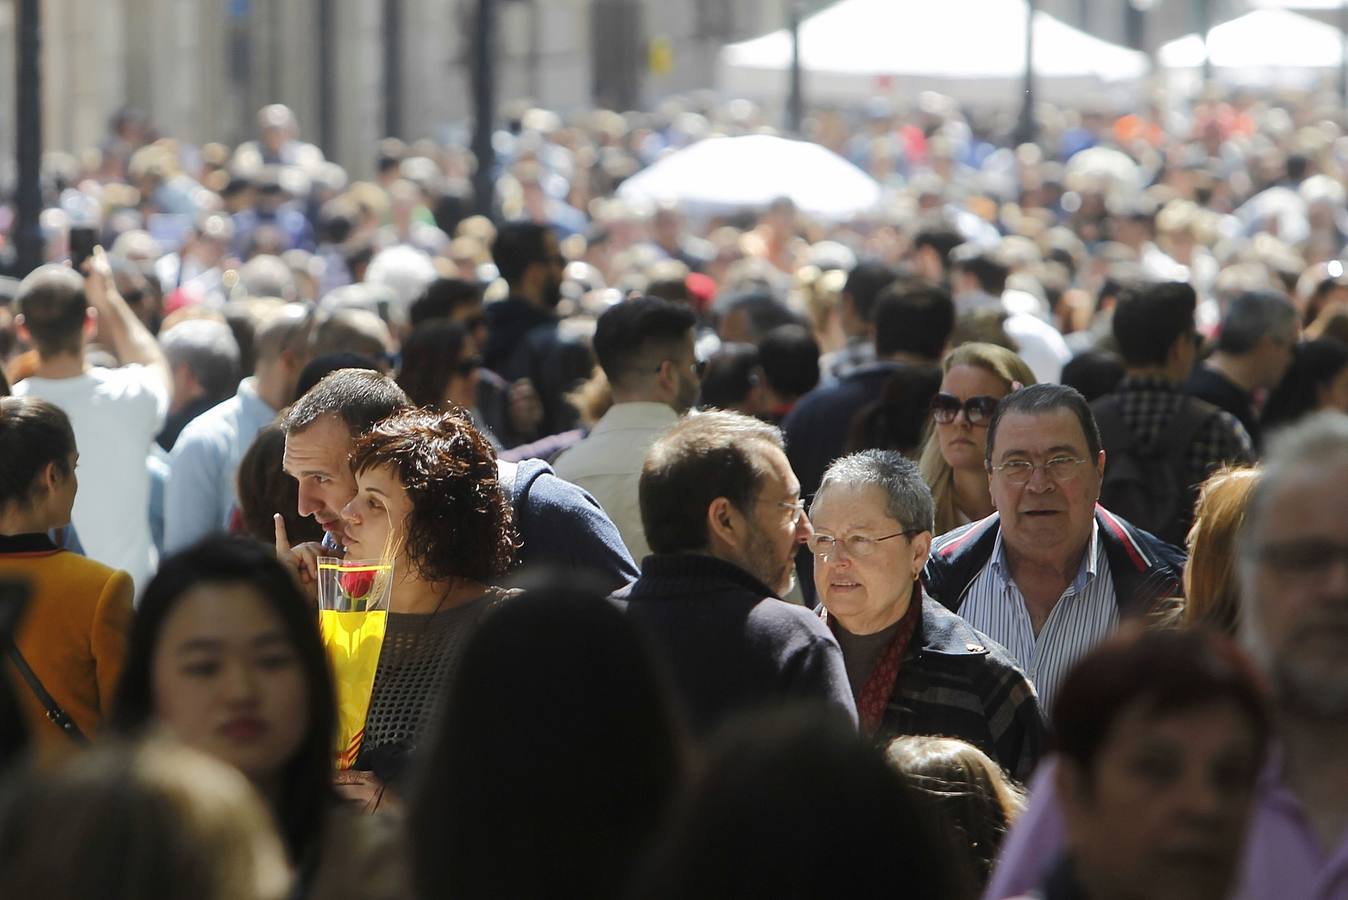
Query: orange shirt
[[73, 635]]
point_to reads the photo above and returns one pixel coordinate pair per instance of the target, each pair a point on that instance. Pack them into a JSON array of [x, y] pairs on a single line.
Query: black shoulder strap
[[57, 715], [1191, 415], [1115, 434]]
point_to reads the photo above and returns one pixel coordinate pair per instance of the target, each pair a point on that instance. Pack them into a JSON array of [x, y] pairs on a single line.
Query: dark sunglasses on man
[[945, 408]]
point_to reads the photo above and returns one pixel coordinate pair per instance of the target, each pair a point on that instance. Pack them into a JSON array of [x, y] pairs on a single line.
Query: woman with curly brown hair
[[428, 498]]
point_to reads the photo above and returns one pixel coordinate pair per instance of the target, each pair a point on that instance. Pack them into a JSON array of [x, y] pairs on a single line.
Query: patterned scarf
[[879, 687]]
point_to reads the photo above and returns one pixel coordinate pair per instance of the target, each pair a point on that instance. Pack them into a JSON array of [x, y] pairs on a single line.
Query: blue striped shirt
[[1085, 613]]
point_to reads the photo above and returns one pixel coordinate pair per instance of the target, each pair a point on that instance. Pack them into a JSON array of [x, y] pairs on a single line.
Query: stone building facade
[[202, 68]]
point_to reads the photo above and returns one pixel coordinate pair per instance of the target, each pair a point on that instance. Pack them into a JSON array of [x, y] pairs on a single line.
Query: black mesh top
[[419, 656]]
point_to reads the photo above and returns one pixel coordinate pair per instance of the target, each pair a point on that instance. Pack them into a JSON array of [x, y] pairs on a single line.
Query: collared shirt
[[1283, 857], [1085, 613], [203, 463], [858, 351], [1283, 854], [607, 463]]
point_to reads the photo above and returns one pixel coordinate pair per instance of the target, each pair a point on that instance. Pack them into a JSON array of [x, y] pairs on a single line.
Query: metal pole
[[1343, 53], [795, 105], [1204, 26], [484, 105], [327, 128], [393, 68], [1025, 130], [27, 226]]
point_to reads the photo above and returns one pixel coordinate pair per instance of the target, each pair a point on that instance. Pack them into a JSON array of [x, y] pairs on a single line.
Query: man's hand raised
[[302, 559]]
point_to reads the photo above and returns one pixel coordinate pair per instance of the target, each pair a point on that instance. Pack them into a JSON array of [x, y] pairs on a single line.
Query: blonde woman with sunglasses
[[975, 377]]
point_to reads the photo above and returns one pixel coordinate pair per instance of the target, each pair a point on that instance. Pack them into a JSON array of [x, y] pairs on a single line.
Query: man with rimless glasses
[[1052, 572]]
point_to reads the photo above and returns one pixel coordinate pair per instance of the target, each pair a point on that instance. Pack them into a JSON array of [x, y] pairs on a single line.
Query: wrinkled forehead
[[1305, 501], [1039, 432], [325, 444]]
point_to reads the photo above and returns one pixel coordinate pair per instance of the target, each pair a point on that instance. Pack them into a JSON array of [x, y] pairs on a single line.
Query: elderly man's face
[[1298, 590], [1048, 517]]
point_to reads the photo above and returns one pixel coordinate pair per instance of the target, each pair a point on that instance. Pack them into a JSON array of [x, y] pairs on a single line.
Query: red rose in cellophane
[[357, 582]]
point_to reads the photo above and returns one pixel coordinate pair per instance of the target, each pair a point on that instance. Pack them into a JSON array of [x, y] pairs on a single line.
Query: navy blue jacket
[[818, 425], [562, 527], [1146, 570]]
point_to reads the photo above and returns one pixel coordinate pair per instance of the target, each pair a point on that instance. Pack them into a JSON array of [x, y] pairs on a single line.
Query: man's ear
[[22, 330], [723, 523]]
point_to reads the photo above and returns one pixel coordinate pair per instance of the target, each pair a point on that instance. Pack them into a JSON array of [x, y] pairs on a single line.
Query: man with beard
[[645, 347], [1294, 576], [723, 516], [523, 344]]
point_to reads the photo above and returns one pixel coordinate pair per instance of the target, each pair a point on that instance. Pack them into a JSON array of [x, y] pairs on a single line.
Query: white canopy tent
[[725, 174], [1265, 47], [972, 50]]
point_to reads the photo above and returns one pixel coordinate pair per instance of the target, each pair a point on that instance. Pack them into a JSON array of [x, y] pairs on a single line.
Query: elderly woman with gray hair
[[914, 666]]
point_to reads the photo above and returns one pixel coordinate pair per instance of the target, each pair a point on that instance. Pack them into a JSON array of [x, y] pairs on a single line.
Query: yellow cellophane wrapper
[[353, 641]]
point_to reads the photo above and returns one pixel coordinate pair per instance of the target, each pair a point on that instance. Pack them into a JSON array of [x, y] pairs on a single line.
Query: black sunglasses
[[945, 408]]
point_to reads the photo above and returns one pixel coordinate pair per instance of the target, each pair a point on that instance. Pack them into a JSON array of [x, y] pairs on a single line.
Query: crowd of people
[[991, 543]]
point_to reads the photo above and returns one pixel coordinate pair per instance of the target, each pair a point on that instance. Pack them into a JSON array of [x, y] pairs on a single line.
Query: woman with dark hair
[[225, 655], [440, 369], [429, 500], [73, 637], [1160, 737], [898, 419], [265, 490], [560, 795], [1316, 380]]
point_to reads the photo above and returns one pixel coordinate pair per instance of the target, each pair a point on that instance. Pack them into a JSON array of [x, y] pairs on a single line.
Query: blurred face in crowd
[[461, 390], [1296, 589], [1275, 353], [1163, 813], [964, 440], [1046, 517], [317, 457], [555, 270], [687, 380], [776, 523], [1334, 393], [228, 681], [373, 520], [473, 320], [865, 575]]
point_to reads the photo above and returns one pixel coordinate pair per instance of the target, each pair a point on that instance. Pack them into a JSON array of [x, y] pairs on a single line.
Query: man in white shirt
[[116, 413], [645, 347]]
